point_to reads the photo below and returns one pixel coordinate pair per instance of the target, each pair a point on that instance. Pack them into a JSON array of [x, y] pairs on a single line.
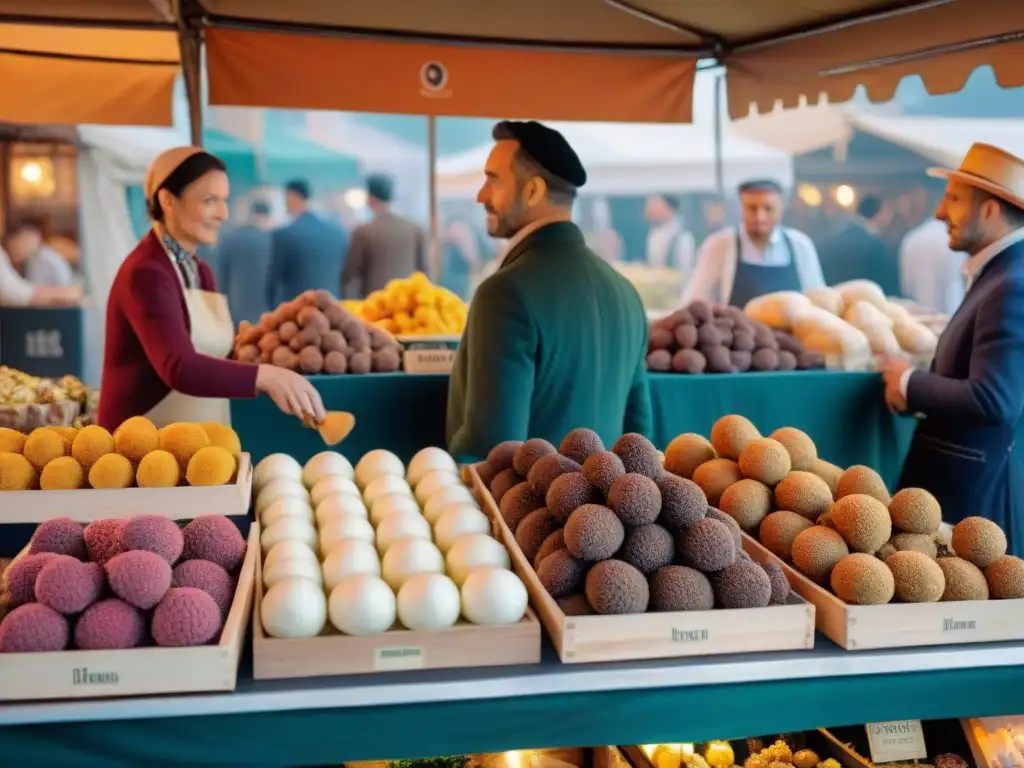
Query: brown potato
[[311, 317], [335, 363], [385, 360], [310, 360], [248, 353], [305, 338], [269, 342], [287, 331], [284, 358], [360, 362], [333, 341], [337, 316]]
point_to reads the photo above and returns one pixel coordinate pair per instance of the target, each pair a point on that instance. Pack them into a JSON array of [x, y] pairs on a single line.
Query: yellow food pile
[[415, 306], [19, 388], [136, 454]]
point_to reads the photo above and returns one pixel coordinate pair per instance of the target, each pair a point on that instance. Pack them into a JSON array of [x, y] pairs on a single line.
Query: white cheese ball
[[349, 557], [287, 550], [446, 497], [377, 463], [428, 601], [393, 503], [340, 505], [324, 464], [475, 550], [429, 460], [341, 528], [277, 489], [395, 527], [273, 467], [294, 608], [288, 529], [407, 557], [292, 567], [362, 605], [433, 482], [385, 485], [457, 522], [493, 597], [286, 506], [331, 485]]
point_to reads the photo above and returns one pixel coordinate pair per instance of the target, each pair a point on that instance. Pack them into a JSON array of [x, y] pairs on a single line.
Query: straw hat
[[164, 165], [991, 169]]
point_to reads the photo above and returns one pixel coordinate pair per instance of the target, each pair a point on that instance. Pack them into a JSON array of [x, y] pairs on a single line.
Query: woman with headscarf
[[169, 332]]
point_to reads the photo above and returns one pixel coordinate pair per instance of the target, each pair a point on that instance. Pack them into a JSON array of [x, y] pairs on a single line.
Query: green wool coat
[[556, 339]]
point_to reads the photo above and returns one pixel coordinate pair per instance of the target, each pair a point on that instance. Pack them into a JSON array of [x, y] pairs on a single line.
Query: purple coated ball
[[22, 575], [185, 617], [207, 576], [33, 628], [139, 578], [61, 535], [214, 538], [108, 625], [69, 586], [153, 533], [103, 539]]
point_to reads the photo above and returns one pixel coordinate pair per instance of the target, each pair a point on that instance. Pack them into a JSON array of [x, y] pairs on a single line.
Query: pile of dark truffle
[[718, 338], [611, 532], [314, 334], [123, 583]]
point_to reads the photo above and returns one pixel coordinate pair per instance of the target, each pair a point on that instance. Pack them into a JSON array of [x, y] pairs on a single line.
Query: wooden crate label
[[396, 658], [958, 625], [419, 361], [896, 740], [86, 676], [690, 635]]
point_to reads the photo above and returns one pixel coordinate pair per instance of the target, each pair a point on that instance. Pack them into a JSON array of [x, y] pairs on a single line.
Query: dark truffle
[[719, 359], [635, 499], [580, 444], [552, 543], [710, 336], [679, 588], [707, 546], [501, 455], [683, 503], [648, 548], [764, 337], [765, 360], [503, 482], [686, 336], [486, 474], [778, 581], [660, 361], [689, 361], [744, 584], [661, 338], [615, 587], [547, 469], [743, 342], [517, 504], [787, 361], [568, 492], [734, 528], [740, 361], [533, 530], [638, 455], [575, 605], [593, 533], [529, 452], [561, 574], [602, 469], [701, 311]]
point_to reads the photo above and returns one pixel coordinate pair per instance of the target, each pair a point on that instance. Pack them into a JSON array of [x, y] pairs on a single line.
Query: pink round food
[[153, 533], [110, 624], [185, 617], [207, 576], [61, 535], [214, 538], [33, 628], [69, 586], [139, 578], [21, 577], [103, 539]]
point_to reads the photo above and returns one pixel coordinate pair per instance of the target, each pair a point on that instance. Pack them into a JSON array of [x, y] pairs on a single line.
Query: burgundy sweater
[[149, 351]]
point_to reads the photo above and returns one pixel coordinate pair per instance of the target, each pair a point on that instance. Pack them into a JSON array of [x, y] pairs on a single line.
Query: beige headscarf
[[164, 165]]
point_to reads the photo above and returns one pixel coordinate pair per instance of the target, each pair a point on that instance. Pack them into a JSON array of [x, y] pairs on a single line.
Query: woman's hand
[[290, 392]]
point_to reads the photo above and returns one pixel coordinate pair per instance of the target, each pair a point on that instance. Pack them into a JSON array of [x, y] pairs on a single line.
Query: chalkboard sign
[[43, 342]]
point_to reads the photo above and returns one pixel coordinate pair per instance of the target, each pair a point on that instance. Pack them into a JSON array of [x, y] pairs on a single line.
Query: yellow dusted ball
[[212, 465], [183, 440], [90, 443], [135, 438], [158, 469], [11, 440], [112, 471], [16, 473], [62, 474], [43, 446]]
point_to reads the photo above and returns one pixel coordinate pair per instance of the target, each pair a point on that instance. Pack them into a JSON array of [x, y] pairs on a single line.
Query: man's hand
[[893, 368]]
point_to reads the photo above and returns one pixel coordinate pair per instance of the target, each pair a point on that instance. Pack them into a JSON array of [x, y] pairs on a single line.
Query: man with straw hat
[[971, 399]]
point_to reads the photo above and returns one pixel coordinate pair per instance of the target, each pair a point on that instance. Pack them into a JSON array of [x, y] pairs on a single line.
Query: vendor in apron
[[168, 330], [762, 256]]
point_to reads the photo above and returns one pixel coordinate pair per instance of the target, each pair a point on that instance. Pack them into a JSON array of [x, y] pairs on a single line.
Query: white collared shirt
[[973, 268], [524, 233], [715, 272], [931, 273], [663, 238], [15, 291]]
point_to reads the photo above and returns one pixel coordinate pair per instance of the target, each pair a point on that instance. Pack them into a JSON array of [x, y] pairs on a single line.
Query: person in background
[[762, 256], [383, 249], [859, 252], [556, 339], [34, 259], [968, 448], [243, 264], [601, 237], [460, 256], [307, 254], [16, 291], [931, 272], [669, 244]]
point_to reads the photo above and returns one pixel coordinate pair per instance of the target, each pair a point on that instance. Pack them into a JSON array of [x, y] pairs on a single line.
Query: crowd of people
[[36, 271]]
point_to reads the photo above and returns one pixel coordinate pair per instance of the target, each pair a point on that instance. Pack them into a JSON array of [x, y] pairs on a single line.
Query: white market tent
[[944, 140], [638, 159]]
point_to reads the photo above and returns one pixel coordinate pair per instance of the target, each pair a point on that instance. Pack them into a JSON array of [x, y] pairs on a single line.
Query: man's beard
[[508, 223], [967, 238]]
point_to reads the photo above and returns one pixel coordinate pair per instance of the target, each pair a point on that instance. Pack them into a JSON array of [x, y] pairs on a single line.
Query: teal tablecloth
[[843, 412]]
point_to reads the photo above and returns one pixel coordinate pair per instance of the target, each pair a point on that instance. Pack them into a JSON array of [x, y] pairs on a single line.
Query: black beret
[[380, 187], [550, 149]]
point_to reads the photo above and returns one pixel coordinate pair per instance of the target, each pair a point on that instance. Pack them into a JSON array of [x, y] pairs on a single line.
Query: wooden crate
[[332, 653], [901, 625], [88, 504], [137, 671], [583, 639]]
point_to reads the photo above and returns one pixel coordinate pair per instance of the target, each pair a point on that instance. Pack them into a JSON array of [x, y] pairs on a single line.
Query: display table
[[327, 721], [843, 412]]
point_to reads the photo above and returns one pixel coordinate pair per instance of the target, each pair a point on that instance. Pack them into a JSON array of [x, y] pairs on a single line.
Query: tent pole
[[719, 168], [190, 43], [434, 255]]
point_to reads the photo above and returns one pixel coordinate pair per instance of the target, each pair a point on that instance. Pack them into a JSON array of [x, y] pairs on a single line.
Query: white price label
[[397, 658], [44, 344], [896, 740]]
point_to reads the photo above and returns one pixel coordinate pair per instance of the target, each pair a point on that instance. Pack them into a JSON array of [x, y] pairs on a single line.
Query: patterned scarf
[[186, 262]]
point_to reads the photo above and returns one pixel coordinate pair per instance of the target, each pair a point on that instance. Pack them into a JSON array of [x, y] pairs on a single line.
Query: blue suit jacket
[[243, 262], [967, 451], [308, 254]]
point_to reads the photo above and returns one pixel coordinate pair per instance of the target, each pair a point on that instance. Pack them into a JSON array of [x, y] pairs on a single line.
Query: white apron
[[213, 334]]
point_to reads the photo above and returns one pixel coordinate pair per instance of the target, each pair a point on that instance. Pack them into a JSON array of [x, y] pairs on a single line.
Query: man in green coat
[[556, 338]]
